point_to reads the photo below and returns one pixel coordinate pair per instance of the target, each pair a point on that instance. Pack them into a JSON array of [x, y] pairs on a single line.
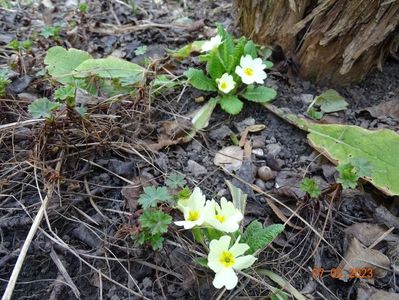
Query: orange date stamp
[[339, 273]]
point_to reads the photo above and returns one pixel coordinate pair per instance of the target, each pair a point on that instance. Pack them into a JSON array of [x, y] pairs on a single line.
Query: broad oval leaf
[[61, 63], [380, 148], [259, 94], [111, 68], [199, 80]]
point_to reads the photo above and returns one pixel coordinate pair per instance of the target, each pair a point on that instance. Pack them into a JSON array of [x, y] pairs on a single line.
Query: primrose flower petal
[[226, 83], [223, 260], [193, 210], [212, 44], [224, 217], [251, 70]]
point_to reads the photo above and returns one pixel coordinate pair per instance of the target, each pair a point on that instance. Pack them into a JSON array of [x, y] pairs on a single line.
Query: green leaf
[[187, 50], [175, 180], [83, 8], [202, 261], [140, 50], [310, 186], [42, 108], [64, 93], [268, 64], [348, 144], [258, 237], [348, 176], [225, 50], [259, 94], [250, 48], [111, 68], [61, 63], [155, 221], [214, 66], [156, 242], [199, 80], [231, 104], [331, 101], [238, 197], [50, 31], [184, 194], [153, 195], [314, 114], [236, 54], [201, 118], [81, 110]]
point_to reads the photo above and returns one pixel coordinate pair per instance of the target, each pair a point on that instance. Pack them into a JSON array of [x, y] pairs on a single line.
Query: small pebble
[[265, 173]]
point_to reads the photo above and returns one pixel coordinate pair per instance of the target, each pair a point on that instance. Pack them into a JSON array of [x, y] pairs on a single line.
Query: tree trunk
[[335, 41]]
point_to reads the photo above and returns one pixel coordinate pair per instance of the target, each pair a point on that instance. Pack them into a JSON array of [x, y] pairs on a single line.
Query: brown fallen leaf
[[366, 292], [358, 256], [230, 157], [390, 109], [366, 233], [132, 192]]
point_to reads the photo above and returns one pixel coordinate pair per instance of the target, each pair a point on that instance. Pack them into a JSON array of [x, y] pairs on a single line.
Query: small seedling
[[20, 45], [83, 8], [350, 172], [4, 81], [140, 50], [153, 224], [152, 196], [50, 32], [43, 108], [310, 186], [66, 94], [175, 180]]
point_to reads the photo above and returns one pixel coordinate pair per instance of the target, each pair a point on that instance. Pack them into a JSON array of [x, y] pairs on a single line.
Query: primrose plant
[[233, 71], [218, 228]]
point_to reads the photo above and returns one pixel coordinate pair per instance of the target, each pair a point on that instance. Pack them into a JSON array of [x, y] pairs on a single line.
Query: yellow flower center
[[249, 72], [220, 218], [193, 215], [223, 85], [226, 259]]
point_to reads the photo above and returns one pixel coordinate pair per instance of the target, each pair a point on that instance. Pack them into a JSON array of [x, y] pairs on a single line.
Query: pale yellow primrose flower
[[251, 70], [224, 260], [193, 210], [212, 44], [226, 83], [224, 217]]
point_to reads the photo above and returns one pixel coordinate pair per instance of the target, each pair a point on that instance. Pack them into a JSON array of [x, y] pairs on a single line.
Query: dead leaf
[[366, 233], [132, 192], [366, 292], [256, 127], [390, 109], [358, 256], [230, 158]]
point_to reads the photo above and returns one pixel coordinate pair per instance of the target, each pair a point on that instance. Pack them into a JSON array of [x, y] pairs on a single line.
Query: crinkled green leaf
[[214, 66], [156, 242], [42, 108], [310, 186], [348, 176], [231, 104], [155, 221], [236, 54], [199, 80], [225, 50], [61, 63], [175, 180], [153, 195], [258, 237], [259, 94]]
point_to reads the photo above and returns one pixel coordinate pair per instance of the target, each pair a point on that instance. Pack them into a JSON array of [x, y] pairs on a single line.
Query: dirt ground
[[88, 222]]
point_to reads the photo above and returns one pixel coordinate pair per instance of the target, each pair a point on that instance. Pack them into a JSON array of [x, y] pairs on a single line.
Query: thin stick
[[32, 231]]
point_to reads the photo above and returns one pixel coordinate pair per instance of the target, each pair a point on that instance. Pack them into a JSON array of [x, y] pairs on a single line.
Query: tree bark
[[335, 41]]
